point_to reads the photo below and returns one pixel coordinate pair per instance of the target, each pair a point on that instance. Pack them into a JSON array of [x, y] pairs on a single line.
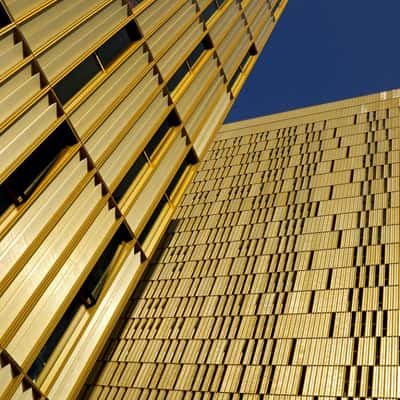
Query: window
[[172, 186], [77, 79], [87, 296], [252, 51], [130, 176], [177, 77], [211, 9], [150, 223], [195, 54], [4, 18], [189, 63], [234, 78], [94, 283], [23, 181], [54, 340], [171, 121], [189, 160], [118, 43], [157, 138], [92, 65], [134, 3], [244, 61], [275, 7], [5, 200]]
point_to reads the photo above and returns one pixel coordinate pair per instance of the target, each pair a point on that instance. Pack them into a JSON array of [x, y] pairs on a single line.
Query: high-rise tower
[[279, 274], [106, 107]]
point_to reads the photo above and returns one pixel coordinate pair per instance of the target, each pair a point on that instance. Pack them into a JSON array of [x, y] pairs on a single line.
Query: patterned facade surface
[[106, 108], [278, 277]]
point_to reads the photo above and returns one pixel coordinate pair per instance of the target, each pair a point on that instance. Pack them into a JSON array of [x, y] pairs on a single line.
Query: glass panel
[[91, 289], [157, 138], [196, 53], [134, 3], [24, 180], [5, 200], [172, 186], [244, 61], [54, 339], [209, 11], [88, 295], [234, 79], [152, 220], [117, 44], [77, 79], [177, 77], [4, 19], [129, 178]]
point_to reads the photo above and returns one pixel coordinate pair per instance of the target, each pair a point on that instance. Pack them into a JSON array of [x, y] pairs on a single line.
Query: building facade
[[278, 277], [106, 108]]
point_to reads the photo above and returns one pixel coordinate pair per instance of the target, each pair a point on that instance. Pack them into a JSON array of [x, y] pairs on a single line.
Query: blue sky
[[324, 50]]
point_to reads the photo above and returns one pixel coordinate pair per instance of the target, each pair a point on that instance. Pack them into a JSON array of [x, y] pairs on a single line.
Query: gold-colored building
[[106, 108], [278, 277]]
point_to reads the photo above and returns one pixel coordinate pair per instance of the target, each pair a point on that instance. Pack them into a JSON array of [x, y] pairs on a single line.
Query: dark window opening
[[310, 260], [252, 51], [177, 77], [370, 379], [194, 56], [150, 223], [383, 258], [87, 295], [380, 297], [24, 180], [353, 324], [134, 3], [157, 138], [373, 323], [5, 200], [174, 183], [275, 7], [358, 380], [387, 274], [54, 339], [118, 43], [171, 121], [4, 18], [94, 283], [77, 79], [88, 68], [385, 323], [311, 304], [245, 60], [209, 11], [302, 380], [332, 325], [130, 176], [355, 351], [339, 244], [234, 78], [378, 351], [367, 271], [271, 377], [360, 299], [346, 380], [292, 351], [363, 323]]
